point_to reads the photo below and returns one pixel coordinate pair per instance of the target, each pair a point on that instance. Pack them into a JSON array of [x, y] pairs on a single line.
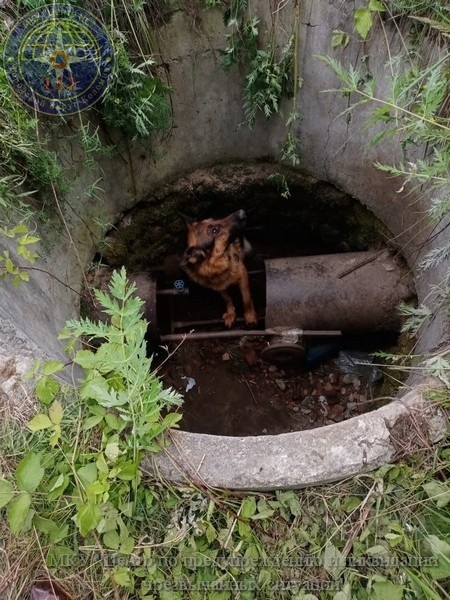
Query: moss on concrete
[[316, 218]]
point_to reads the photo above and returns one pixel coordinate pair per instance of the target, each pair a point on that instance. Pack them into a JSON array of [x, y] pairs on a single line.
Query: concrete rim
[[301, 459]]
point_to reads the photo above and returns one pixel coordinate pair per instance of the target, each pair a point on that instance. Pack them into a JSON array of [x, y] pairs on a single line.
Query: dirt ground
[[232, 391]]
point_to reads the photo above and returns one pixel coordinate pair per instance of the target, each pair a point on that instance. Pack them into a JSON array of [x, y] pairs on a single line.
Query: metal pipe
[[205, 335], [172, 292], [181, 324]]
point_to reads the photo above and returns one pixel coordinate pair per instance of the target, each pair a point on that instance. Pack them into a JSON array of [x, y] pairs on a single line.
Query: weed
[[281, 184], [242, 41], [92, 144], [80, 473], [136, 102], [413, 112], [9, 269], [264, 86]]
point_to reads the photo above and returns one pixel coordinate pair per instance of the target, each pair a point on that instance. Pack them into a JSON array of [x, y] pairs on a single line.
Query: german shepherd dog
[[214, 258]]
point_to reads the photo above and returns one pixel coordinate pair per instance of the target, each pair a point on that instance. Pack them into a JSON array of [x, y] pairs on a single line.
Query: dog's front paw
[[229, 318], [250, 317]]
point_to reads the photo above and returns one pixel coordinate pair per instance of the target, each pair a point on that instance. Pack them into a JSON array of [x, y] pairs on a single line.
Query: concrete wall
[[209, 129]]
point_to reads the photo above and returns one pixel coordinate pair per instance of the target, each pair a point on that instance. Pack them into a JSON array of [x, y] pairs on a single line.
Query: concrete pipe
[[353, 292]]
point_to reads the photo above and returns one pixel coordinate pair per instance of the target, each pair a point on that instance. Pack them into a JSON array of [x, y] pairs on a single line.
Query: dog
[[214, 258]]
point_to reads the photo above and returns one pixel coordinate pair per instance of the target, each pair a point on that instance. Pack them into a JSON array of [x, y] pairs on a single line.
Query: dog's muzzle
[[192, 256]]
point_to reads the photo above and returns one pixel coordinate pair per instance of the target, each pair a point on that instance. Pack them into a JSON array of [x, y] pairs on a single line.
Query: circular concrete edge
[[305, 458]]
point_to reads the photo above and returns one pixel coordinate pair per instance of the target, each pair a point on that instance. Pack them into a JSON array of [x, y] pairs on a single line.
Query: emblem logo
[[59, 59]]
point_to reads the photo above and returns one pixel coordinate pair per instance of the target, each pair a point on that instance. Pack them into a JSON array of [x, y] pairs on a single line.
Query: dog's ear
[[186, 219]]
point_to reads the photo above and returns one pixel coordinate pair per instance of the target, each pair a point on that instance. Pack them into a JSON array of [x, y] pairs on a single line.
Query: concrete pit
[[210, 151], [339, 305]]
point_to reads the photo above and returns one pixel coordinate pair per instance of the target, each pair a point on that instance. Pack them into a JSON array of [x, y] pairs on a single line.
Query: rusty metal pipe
[[205, 335]]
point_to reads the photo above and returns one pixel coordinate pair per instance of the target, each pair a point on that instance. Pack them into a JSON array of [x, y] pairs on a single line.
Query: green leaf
[[46, 389], [376, 6], [52, 366], [111, 539], [350, 503], [339, 39], [88, 517], [29, 472], [344, 594], [54, 438], [121, 576], [24, 252], [394, 538], [98, 389], [86, 359], [88, 473], [211, 533], [17, 229], [127, 509], [58, 485], [333, 560], [101, 464], [378, 550], [9, 266], [96, 489], [97, 410], [109, 520], [439, 492], [381, 590], [92, 421], [55, 412], [114, 421], [265, 514], [39, 422], [18, 512], [28, 239], [6, 492], [294, 505], [127, 471], [363, 21], [55, 531], [248, 507], [127, 545], [112, 451], [440, 550]]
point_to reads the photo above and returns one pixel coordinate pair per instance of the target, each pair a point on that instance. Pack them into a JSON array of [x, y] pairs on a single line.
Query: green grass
[[377, 536]]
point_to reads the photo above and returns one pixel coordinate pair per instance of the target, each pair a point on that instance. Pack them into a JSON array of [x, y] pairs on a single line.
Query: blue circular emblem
[[59, 59], [179, 286]]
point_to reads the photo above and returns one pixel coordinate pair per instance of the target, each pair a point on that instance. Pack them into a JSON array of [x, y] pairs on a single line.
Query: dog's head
[[211, 236]]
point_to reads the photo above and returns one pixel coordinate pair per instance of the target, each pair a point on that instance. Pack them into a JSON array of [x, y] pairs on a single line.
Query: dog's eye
[[215, 230]]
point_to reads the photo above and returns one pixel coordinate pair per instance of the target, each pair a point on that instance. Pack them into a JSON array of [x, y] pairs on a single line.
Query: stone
[[336, 412], [281, 384], [251, 357]]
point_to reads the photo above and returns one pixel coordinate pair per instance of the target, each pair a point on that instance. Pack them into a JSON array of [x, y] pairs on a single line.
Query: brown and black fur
[[215, 258]]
